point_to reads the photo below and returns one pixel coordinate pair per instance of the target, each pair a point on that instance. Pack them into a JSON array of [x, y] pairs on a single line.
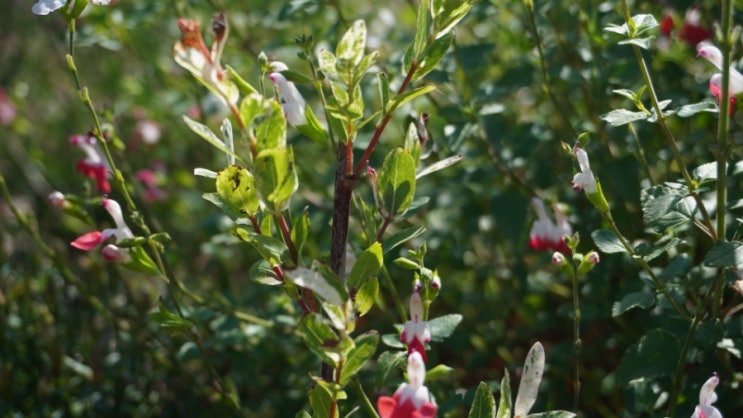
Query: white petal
[[44, 7]]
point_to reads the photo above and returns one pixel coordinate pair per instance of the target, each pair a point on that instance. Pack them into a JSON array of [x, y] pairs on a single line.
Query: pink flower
[[150, 179], [713, 54], [94, 164], [7, 110], [88, 241], [707, 397], [545, 234], [715, 88], [415, 332], [584, 180], [291, 100], [411, 400]]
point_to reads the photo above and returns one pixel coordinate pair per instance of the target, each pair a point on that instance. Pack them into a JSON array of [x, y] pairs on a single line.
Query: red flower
[[411, 400]]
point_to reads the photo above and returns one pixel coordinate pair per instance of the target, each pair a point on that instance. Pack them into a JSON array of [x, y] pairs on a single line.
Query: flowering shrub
[[326, 209]]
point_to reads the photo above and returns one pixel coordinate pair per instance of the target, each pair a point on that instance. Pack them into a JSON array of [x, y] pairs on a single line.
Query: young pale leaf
[[312, 129], [413, 143], [656, 354], [204, 132], [310, 279], [443, 326], [251, 108], [366, 296], [141, 262], [439, 165], [483, 406], [642, 300], [621, 117], [725, 254], [275, 177], [242, 85], [262, 272], [366, 345], [438, 372], [530, 379], [396, 182], [326, 61], [409, 95], [352, 44], [644, 43], [270, 248], [366, 266], [236, 189], [421, 29], [708, 105], [168, 320], [607, 241], [504, 406]]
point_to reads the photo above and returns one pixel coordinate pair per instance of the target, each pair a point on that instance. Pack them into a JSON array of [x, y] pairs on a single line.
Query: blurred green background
[[499, 102]]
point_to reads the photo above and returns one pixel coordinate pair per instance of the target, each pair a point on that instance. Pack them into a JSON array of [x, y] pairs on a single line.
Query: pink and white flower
[[92, 239], [546, 234], [584, 180], [707, 397], [94, 165], [44, 7], [415, 332], [289, 96], [713, 54], [411, 400]]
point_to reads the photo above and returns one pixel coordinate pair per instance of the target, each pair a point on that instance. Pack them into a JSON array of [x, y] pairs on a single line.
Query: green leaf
[[663, 209], [402, 237], [141, 262], [326, 61], [607, 241], [621, 117], [270, 132], [705, 172], [438, 372], [270, 248], [433, 55], [384, 89], [168, 320], [262, 272], [386, 363], [313, 280], [552, 414], [366, 296], [421, 29], [483, 406], [656, 354], [725, 254], [443, 326], [320, 338], [447, 13], [642, 300], [366, 266], [301, 230], [641, 23], [644, 43], [709, 106], [650, 252], [412, 143], [204, 132], [409, 95], [236, 190], [396, 182], [320, 402], [275, 177], [242, 85], [312, 129], [531, 377], [504, 406], [352, 43], [366, 345], [439, 165]]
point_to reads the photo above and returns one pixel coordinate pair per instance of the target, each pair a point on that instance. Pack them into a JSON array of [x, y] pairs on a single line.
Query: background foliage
[[501, 102]]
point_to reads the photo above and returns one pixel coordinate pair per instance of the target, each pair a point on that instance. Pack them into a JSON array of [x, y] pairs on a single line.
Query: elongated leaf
[[396, 182], [421, 28], [552, 414], [366, 266], [270, 132], [386, 363], [530, 379], [313, 280], [447, 13], [352, 44], [270, 248], [434, 54], [204, 132], [621, 117], [366, 345], [168, 320], [439, 165], [409, 95], [320, 401], [443, 326], [483, 406], [402, 237], [320, 338], [504, 406], [366, 296]]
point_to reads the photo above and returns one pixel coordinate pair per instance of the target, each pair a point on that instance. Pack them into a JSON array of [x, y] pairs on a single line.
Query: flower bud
[[588, 262], [58, 200]]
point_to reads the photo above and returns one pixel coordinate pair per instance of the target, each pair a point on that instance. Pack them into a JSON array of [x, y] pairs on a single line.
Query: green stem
[[577, 343], [365, 402], [670, 139]]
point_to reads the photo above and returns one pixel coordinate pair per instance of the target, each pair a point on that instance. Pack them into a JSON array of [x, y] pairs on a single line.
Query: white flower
[[415, 332], [546, 234], [713, 54], [584, 180], [707, 397], [44, 7], [289, 97]]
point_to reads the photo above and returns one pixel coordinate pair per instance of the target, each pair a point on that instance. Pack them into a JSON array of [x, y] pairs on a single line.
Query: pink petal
[[88, 241], [386, 406]]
